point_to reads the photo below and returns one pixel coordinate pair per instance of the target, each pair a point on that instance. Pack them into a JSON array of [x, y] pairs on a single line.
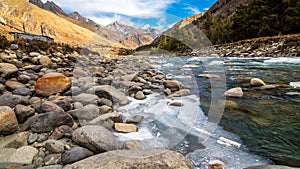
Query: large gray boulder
[[128, 159], [95, 138]]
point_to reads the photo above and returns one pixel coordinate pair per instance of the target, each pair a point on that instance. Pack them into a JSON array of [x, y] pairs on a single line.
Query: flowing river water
[[263, 125]]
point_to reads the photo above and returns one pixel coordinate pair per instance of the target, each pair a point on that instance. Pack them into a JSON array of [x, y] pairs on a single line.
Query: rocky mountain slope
[[49, 6], [16, 13], [118, 33], [133, 37]]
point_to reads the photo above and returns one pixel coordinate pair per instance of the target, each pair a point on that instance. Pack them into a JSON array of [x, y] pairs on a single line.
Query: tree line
[[258, 18]]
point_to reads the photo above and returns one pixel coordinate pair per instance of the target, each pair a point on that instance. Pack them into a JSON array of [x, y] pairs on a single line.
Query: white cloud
[[123, 7], [194, 10], [105, 20]]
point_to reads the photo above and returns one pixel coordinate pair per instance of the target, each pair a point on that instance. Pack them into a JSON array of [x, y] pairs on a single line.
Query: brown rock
[[234, 92], [181, 93], [177, 104], [139, 95], [173, 85], [105, 109], [49, 85], [45, 61], [8, 120], [14, 85], [257, 82], [132, 145], [7, 69], [125, 128]]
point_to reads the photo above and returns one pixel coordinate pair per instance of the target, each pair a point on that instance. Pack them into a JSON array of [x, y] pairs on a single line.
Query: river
[[263, 125]]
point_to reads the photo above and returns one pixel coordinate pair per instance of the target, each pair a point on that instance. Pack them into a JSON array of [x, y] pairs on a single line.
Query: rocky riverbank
[[62, 111], [57, 109], [279, 46]]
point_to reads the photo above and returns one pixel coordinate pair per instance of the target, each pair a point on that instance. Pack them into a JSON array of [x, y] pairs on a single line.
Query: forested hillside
[[259, 18]]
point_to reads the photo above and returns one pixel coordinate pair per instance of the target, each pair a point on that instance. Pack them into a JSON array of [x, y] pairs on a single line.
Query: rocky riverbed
[[57, 109], [62, 111]]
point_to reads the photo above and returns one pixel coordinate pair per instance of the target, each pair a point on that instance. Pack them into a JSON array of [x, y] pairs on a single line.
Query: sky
[[160, 14]]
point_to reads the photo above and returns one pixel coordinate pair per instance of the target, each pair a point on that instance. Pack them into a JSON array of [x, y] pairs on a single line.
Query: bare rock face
[[127, 159], [8, 120], [95, 138], [49, 85]]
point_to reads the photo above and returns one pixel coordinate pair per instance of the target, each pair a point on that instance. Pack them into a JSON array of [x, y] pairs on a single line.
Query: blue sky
[[160, 14]]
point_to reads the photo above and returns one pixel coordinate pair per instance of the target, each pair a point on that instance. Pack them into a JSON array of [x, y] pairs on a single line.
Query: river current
[[260, 128]]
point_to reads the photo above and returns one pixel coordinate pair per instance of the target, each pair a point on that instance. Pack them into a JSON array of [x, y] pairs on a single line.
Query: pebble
[[139, 95], [32, 138]]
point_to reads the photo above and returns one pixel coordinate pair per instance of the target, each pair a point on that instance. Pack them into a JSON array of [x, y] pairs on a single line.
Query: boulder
[[14, 85], [47, 122], [173, 85], [18, 141], [9, 165], [8, 121], [22, 91], [109, 92], [48, 106], [7, 69], [20, 157], [11, 100], [45, 61], [125, 128], [75, 154], [23, 112], [128, 159], [95, 138], [257, 82], [234, 92], [54, 84], [86, 99]]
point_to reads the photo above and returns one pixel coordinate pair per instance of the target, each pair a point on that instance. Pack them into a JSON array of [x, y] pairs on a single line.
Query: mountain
[[133, 37], [225, 8], [14, 14], [49, 6]]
